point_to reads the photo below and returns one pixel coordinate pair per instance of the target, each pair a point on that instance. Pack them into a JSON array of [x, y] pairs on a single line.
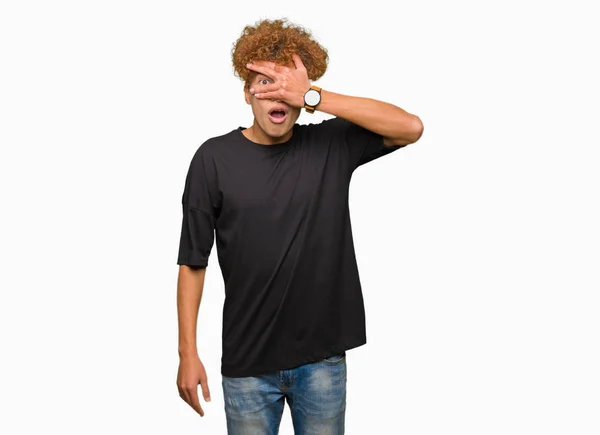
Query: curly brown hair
[[276, 41]]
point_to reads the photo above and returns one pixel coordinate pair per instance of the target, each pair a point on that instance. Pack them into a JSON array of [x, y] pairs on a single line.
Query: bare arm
[[190, 285], [395, 125]]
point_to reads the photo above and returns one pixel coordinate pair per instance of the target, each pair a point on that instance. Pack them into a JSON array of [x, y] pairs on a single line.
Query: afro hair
[[276, 41]]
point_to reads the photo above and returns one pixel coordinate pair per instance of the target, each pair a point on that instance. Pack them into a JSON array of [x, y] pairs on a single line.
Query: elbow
[[417, 130], [409, 135]]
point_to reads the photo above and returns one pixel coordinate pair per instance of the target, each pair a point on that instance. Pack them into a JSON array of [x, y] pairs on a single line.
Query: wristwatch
[[312, 98]]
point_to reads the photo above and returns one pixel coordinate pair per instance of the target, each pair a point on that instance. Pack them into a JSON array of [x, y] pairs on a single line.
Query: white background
[[478, 246]]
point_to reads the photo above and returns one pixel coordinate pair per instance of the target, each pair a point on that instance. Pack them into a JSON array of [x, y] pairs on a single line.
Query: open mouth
[[278, 115]]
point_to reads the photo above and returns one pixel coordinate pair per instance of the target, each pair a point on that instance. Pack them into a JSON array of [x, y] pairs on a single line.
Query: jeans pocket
[[335, 359], [245, 395]]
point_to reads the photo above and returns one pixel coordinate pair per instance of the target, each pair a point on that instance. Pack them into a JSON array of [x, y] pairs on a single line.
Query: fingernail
[[251, 90], [208, 399]]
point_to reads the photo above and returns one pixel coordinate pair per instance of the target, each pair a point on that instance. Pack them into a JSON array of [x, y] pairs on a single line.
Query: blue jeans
[[315, 393]]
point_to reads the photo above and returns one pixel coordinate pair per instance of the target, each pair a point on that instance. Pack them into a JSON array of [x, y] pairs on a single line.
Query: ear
[[247, 95]]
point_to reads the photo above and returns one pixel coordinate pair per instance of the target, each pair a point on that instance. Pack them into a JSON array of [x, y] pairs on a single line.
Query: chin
[[278, 130]]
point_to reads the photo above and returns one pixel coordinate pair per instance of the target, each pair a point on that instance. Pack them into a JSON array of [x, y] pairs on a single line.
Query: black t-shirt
[[284, 242]]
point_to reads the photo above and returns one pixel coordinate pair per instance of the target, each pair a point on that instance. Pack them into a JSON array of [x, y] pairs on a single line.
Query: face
[[268, 124]]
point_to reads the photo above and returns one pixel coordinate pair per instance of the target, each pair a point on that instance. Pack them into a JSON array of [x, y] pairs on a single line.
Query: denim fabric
[[315, 393]]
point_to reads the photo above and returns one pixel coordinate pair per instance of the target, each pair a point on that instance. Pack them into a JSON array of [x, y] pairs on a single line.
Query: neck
[[258, 135]]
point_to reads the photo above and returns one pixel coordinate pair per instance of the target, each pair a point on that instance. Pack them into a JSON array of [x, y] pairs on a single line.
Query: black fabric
[[284, 242]]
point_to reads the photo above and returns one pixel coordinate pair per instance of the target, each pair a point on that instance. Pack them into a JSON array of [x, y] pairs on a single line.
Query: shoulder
[[330, 124], [332, 129], [213, 146]]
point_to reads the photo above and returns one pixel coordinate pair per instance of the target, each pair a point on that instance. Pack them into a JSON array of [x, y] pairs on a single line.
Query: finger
[[205, 390], [194, 401], [184, 393], [266, 63], [281, 69], [297, 61], [274, 95], [269, 72], [261, 89]]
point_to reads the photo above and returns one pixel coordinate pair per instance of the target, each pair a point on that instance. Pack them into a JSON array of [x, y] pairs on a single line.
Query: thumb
[[297, 61], [205, 390]]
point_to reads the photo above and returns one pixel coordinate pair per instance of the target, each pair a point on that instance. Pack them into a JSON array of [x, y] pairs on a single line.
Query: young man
[[276, 195]]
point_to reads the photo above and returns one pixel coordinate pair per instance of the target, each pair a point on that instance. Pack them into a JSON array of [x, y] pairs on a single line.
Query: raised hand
[[289, 84]]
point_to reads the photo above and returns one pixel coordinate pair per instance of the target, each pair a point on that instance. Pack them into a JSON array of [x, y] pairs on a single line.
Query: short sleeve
[[363, 145], [199, 213]]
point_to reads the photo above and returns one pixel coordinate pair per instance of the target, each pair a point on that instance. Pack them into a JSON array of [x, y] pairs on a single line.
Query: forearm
[[190, 284], [395, 125], [382, 118]]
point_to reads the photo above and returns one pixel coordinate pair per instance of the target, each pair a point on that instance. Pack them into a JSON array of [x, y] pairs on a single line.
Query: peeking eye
[[263, 80]]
